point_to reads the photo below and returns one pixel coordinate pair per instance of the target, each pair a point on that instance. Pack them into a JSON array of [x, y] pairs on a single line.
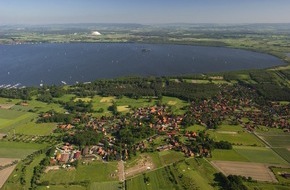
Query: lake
[[35, 64]]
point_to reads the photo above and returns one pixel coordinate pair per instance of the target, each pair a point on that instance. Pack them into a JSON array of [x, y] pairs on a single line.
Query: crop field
[[284, 153], [280, 142], [94, 172], [18, 149], [276, 140], [235, 135], [257, 171], [260, 154]]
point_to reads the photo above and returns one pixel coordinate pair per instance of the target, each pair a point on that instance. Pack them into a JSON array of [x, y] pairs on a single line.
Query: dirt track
[[6, 161], [144, 163], [257, 171], [5, 173]]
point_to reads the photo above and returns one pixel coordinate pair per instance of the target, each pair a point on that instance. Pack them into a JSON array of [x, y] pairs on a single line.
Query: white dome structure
[[96, 33]]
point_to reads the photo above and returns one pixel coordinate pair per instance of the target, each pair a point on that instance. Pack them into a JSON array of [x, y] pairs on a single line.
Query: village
[[124, 135]]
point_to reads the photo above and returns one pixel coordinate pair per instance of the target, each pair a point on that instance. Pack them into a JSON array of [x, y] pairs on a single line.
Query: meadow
[[190, 173], [235, 135], [93, 172], [18, 149]]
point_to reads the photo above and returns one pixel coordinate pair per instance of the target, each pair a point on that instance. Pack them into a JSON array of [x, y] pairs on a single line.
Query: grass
[[66, 97], [266, 186], [30, 169], [155, 159], [94, 172], [10, 114], [191, 172], [235, 135], [134, 103], [18, 149], [196, 128], [32, 128], [175, 104], [260, 154], [198, 172], [227, 155], [159, 179], [170, 156], [62, 187], [114, 185]]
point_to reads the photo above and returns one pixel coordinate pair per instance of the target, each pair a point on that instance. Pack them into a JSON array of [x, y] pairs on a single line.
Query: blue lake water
[[33, 64]]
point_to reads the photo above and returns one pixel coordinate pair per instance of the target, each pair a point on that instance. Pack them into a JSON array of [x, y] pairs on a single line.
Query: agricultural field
[[18, 149], [227, 155], [259, 172], [260, 155], [184, 174], [249, 154], [235, 135], [278, 141], [95, 171]]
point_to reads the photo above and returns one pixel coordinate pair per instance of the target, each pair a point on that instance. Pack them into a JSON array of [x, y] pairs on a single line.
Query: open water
[[35, 64]]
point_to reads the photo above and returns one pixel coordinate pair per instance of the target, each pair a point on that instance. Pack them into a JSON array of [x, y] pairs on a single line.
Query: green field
[[279, 141], [266, 186], [235, 135], [170, 156], [227, 155], [94, 172], [283, 152], [18, 149], [191, 173], [249, 154], [159, 179], [62, 187], [260, 154], [196, 128], [105, 185], [32, 128]]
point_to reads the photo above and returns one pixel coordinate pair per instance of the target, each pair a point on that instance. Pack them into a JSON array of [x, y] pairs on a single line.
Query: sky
[[143, 11]]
